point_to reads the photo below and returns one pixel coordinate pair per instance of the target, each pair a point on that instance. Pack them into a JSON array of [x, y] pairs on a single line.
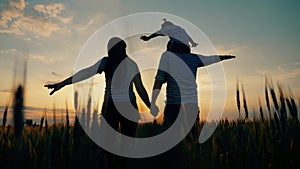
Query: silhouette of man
[[178, 71]]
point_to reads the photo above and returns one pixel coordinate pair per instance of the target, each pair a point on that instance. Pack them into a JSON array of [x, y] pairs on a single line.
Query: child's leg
[[178, 47]]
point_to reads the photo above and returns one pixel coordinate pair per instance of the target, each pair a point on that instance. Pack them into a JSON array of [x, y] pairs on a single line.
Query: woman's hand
[[55, 87], [154, 110]]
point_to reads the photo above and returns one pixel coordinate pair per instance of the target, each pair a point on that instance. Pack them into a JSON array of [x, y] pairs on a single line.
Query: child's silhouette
[[179, 41]]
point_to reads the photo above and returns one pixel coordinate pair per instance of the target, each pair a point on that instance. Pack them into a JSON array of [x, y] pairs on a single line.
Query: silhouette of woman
[[116, 54]]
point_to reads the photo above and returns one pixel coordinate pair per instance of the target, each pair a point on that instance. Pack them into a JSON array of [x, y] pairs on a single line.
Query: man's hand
[[55, 87], [145, 38], [154, 110], [226, 57]]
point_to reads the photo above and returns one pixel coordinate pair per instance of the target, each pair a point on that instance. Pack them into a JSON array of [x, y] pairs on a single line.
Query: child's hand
[[194, 44], [144, 38]]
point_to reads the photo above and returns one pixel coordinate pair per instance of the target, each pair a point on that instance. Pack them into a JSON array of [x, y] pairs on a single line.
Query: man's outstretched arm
[[208, 60], [226, 57], [77, 77]]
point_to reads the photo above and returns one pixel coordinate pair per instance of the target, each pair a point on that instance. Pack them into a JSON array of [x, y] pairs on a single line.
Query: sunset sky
[[264, 35]]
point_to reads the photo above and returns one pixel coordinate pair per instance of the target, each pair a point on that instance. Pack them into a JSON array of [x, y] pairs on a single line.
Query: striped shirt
[[123, 84], [179, 72]]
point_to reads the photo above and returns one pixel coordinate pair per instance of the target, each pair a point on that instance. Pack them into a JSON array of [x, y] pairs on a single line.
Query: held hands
[[154, 110], [55, 87], [145, 38]]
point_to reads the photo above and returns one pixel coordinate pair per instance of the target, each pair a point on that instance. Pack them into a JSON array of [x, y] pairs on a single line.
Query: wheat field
[[266, 141]]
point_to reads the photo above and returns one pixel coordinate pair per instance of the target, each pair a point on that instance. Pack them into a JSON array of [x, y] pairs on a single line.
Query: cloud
[[277, 73], [5, 91], [18, 4], [296, 63], [93, 22], [48, 81], [44, 59], [16, 20], [228, 49], [85, 26], [37, 57], [280, 73], [8, 51], [55, 74], [34, 56], [53, 10], [87, 84], [37, 112], [50, 9]]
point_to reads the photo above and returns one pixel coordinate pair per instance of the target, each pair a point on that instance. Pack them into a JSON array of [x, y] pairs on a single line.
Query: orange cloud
[[43, 58], [21, 4], [15, 20], [53, 10]]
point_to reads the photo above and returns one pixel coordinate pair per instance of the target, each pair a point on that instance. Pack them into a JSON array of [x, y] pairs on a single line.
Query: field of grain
[[271, 141]]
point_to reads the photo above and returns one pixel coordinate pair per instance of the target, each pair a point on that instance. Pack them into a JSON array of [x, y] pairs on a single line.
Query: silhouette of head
[[116, 48]]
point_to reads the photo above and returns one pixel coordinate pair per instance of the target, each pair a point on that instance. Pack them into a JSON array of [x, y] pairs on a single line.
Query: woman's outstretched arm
[[141, 90], [77, 77]]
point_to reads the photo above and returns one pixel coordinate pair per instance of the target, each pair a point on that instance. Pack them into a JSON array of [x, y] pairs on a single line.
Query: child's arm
[[153, 35]]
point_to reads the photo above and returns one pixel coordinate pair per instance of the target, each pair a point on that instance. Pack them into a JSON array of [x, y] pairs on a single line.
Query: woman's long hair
[[116, 48]]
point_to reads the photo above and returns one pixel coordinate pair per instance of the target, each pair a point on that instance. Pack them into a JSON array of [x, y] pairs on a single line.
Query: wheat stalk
[[283, 113], [67, 117], [18, 111], [267, 97], [4, 117], [54, 115], [76, 100], [238, 98], [293, 105], [88, 112], [245, 102], [273, 95], [290, 107], [261, 110], [42, 120]]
